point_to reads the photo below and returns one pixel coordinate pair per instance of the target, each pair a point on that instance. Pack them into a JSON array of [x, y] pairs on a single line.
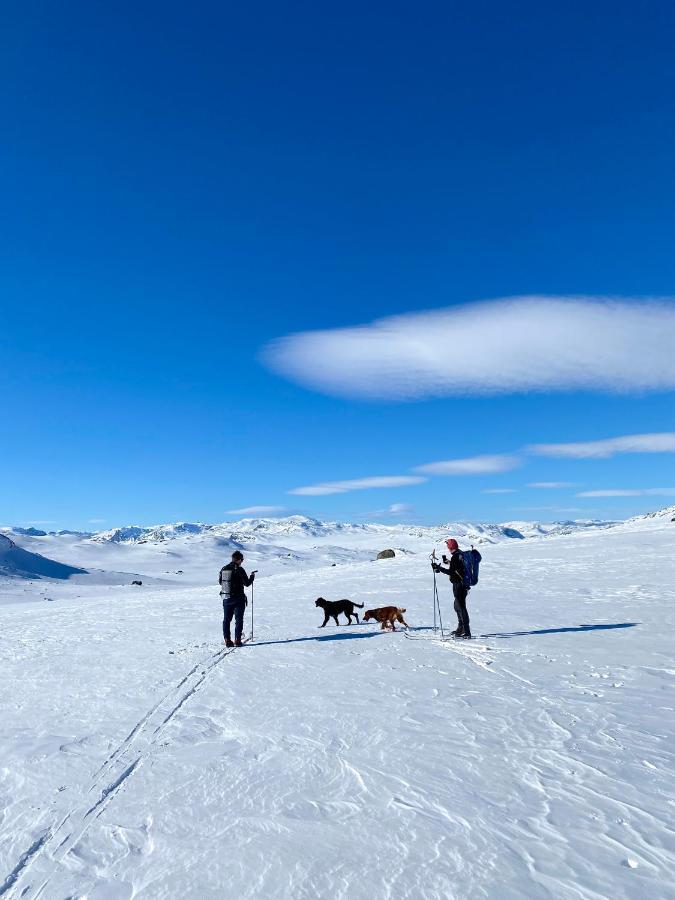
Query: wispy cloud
[[357, 484], [551, 485], [256, 511], [400, 509], [630, 492], [499, 491], [663, 442], [512, 345], [96, 521], [394, 509], [473, 465], [555, 509]]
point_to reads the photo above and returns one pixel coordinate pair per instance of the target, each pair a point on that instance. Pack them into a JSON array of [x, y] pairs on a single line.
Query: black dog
[[333, 608]]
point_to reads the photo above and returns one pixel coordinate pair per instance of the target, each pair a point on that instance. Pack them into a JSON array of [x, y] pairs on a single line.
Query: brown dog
[[386, 615]]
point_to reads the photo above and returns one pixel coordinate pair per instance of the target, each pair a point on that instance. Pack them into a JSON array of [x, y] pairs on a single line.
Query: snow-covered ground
[[138, 758]]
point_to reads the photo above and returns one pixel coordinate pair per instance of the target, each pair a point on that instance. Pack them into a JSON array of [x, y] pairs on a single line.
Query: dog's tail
[[360, 605]]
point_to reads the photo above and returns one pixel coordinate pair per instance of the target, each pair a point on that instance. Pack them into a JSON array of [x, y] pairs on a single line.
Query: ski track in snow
[[536, 761], [57, 842]]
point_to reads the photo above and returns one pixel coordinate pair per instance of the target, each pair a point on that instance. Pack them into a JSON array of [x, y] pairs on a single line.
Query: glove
[[435, 567]]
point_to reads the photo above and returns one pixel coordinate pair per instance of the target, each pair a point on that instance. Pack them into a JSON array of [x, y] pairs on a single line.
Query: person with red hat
[[456, 571]]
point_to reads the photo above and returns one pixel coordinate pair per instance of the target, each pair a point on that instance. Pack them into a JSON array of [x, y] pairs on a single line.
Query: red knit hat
[[452, 544]]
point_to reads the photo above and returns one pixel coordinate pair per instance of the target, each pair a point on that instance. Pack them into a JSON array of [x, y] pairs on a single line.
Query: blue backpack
[[471, 559]]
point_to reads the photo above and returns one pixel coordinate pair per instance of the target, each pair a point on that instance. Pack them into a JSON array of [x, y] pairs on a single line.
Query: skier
[[233, 579], [456, 572]]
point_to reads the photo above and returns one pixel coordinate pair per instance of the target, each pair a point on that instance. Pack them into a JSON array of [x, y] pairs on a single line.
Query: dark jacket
[[455, 569], [233, 579]]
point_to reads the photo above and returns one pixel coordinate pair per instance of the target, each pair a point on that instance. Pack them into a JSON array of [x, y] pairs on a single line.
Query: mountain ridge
[[242, 531]]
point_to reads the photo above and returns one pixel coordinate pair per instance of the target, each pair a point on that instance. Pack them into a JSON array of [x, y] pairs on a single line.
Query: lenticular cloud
[[504, 346]]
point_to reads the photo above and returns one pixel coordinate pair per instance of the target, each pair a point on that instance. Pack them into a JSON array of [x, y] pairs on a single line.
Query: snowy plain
[[139, 758]]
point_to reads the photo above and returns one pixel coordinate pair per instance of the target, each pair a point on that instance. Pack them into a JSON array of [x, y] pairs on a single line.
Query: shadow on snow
[[574, 629], [357, 635], [341, 636], [344, 636]]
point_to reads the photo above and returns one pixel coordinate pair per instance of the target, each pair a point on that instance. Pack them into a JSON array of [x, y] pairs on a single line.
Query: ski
[[447, 640]]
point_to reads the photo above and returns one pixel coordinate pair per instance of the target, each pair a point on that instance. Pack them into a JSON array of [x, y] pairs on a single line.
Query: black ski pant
[[460, 593], [233, 608]]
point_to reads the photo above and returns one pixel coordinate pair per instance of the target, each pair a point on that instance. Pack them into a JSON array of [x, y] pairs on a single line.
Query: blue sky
[[183, 185]]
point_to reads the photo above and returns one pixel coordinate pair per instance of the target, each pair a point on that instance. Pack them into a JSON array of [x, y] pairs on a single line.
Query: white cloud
[[663, 442], [499, 491], [96, 521], [557, 509], [357, 484], [394, 509], [256, 511], [512, 345], [551, 485], [610, 493], [400, 509], [630, 492], [473, 465]]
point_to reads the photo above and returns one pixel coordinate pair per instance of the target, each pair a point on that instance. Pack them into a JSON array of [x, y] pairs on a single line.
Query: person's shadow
[[574, 629], [357, 635]]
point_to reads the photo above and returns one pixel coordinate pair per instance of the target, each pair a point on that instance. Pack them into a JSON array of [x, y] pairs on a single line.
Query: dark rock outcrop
[[386, 554]]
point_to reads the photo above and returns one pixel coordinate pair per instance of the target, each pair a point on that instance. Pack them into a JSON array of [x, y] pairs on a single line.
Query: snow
[[19, 563], [139, 758]]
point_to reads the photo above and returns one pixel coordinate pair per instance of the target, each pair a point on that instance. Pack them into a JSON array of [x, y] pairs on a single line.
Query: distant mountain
[[647, 520], [304, 530], [194, 551], [129, 534], [275, 530], [19, 563], [550, 529]]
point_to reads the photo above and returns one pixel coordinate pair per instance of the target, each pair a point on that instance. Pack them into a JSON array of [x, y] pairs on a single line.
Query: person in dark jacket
[[456, 572], [233, 579]]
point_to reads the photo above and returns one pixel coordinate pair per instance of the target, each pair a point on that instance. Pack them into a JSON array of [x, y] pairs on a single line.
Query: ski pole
[[437, 602], [440, 618], [432, 557], [251, 610]]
